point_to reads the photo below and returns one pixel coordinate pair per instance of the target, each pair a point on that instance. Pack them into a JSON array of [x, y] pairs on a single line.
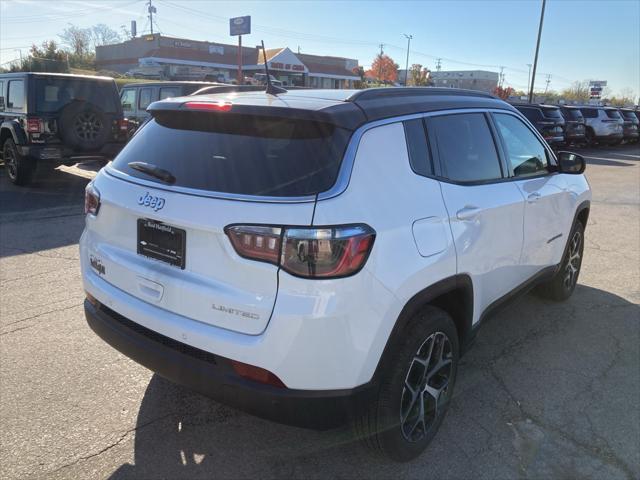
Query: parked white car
[[603, 125], [324, 256]]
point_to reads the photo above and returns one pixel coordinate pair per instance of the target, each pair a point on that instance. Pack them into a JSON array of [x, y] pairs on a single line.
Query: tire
[[391, 425], [84, 126], [590, 139], [563, 283], [20, 168]]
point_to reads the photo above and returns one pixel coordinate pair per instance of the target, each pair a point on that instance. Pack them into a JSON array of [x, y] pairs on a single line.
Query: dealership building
[[161, 57]]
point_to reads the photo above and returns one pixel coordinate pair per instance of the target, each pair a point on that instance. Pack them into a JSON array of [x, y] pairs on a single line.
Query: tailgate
[[216, 286]]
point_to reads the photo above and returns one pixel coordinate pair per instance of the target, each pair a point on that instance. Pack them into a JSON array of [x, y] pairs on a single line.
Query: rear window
[[239, 154], [572, 114], [628, 115], [532, 114], [552, 112], [615, 114], [53, 94]]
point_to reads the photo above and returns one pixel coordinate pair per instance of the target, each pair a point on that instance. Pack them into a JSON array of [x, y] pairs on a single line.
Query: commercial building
[[161, 57], [481, 80]]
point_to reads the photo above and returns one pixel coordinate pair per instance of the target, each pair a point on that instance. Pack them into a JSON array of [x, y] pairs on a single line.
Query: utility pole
[[535, 59], [151, 9], [380, 62], [548, 82], [438, 60], [406, 72], [529, 77]]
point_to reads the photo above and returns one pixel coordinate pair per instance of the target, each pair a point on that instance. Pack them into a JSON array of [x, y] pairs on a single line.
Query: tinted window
[[613, 114], [241, 154], [55, 93], [417, 147], [628, 115], [1, 96], [589, 112], [169, 92], [551, 112], [128, 99], [532, 114], [524, 151], [15, 98], [145, 99], [572, 114], [465, 147]]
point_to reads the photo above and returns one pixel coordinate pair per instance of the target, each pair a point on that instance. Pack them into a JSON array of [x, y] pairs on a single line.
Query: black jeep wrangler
[[57, 118]]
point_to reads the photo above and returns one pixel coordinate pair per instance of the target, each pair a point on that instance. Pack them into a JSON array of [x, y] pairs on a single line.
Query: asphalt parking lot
[[548, 389]]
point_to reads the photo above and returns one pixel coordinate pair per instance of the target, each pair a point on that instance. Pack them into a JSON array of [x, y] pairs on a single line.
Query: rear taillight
[[91, 200], [123, 125], [310, 252], [34, 125]]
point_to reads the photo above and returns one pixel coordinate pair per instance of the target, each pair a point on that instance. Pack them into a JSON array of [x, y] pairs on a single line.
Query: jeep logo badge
[[147, 200]]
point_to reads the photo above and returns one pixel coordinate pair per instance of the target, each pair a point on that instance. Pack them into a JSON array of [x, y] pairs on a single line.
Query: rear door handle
[[469, 212], [533, 197]]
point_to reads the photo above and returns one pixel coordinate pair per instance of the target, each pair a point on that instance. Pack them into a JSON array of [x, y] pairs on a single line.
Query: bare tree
[[77, 40], [578, 92], [104, 35]]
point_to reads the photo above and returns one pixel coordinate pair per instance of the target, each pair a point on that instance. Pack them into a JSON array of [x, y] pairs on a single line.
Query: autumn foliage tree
[[383, 69], [503, 92]]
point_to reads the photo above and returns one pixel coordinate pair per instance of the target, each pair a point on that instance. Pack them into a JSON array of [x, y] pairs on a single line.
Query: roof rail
[[386, 92]]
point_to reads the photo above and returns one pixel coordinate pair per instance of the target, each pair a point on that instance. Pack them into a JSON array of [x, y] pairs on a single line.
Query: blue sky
[[582, 40]]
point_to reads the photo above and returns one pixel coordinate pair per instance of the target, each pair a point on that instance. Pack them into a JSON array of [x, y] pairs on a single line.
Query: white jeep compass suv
[[324, 256]]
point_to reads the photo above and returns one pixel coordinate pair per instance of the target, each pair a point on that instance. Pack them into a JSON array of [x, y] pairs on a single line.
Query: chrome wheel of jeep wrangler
[[426, 386]]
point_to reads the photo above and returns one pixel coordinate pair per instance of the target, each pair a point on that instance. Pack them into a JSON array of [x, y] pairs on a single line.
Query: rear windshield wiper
[[154, 171]]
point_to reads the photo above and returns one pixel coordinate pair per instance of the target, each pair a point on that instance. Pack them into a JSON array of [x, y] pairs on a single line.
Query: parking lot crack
[[121, 438]]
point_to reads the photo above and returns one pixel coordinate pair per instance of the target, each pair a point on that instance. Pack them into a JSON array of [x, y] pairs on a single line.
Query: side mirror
[[570, 163]]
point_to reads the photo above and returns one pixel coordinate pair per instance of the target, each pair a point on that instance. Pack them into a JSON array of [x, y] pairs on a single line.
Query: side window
[[417, 147], [145, 98], [1, 96], [589, 112], [128, 99], [524, 151], [169, 92], [15, 100], [466, 148]]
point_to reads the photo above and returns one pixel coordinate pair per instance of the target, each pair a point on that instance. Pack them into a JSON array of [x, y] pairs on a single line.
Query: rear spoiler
[[343, 114]]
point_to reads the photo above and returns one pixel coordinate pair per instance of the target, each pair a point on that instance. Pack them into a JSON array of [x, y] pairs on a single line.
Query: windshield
[[55, 93], [239, 154]]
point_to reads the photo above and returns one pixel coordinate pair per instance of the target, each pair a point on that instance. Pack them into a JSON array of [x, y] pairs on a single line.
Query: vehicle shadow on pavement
[[544, 392]]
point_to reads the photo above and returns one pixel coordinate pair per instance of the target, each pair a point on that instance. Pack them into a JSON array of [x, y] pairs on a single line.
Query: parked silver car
[[603, 125]]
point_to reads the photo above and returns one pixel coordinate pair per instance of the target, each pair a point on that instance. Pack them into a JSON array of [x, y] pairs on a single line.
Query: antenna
[[271, 89]]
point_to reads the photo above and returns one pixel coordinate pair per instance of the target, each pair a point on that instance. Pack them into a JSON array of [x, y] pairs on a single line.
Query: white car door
[[485, 210], [548, 206]]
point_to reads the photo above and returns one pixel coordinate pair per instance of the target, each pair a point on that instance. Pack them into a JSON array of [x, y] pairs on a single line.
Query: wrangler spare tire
[[84, 126]]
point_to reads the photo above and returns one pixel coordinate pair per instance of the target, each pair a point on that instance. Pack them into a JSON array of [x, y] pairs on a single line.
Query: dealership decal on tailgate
[[162, 242]]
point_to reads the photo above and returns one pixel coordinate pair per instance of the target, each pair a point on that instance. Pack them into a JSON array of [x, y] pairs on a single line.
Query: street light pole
[[406, 71], [529, 77], [535, 60]]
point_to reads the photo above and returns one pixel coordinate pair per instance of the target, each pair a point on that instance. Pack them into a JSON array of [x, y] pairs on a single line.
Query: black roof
[[534, 105], [345, 108], [61, 75]]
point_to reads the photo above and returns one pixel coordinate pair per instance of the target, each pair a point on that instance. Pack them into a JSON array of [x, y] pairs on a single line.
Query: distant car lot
[[548, 390]]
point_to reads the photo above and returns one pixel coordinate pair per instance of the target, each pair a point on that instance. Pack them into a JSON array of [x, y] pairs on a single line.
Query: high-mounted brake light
[[220, 106], [34, 125], [310, 252], [91, 200]]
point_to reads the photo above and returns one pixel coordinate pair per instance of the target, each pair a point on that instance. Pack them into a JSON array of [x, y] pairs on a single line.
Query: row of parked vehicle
[[583, 125]]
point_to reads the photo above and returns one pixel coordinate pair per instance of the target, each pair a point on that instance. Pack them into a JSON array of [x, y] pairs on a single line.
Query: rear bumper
[[214, 376], [61, 153]]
